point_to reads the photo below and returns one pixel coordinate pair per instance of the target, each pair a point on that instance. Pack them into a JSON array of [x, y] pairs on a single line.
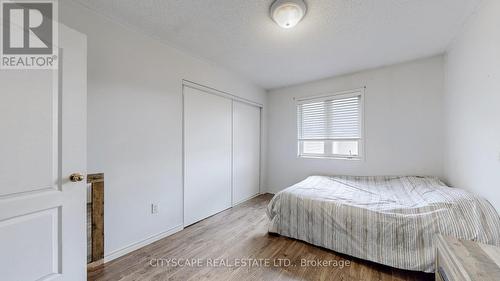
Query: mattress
[[387, 220]]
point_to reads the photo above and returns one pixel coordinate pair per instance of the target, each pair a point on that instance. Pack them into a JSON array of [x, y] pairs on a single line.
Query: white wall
[[403, 120], [472, 105], [135, 123]]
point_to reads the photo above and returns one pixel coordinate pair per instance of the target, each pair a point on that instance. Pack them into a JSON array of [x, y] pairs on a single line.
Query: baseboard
[[271, 191], [245, 200], [137, 245], [94, 265]]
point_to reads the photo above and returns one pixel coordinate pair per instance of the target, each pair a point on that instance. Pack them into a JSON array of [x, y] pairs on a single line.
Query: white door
[[207, 154], [246, 151], [43, 141]]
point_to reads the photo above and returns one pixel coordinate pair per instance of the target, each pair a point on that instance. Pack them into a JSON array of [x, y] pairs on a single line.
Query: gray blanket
[[387, 220]]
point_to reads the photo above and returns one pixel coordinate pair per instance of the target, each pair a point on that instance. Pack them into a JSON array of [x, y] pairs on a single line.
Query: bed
[[387, 220]]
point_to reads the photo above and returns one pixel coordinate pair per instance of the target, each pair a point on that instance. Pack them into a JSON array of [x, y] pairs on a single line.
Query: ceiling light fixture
[[287, 13]]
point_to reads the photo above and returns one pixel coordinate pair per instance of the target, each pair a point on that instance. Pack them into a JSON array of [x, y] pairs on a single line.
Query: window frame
[[328, 143]]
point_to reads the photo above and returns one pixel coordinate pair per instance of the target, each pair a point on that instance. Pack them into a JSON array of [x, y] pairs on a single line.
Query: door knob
[[76, 177]]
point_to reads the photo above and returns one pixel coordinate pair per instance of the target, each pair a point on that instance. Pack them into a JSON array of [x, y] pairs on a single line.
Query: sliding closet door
[[246, 151], [207, 154]]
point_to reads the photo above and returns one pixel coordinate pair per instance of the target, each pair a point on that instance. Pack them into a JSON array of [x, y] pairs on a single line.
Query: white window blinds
[[334, 122], [330, 119]]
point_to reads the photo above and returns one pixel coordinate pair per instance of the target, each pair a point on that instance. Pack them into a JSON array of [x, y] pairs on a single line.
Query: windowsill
[[330, 157]]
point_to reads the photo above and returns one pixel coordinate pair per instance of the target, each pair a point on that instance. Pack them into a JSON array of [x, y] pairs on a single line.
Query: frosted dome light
[[287, 13]]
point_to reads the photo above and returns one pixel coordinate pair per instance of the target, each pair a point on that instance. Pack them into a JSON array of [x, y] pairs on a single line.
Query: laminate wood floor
[[236, 236]]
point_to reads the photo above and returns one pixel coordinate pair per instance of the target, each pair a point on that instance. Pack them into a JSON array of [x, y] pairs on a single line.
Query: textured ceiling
[[335, 37]]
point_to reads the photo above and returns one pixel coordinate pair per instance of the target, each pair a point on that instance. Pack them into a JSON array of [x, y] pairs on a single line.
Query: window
[[331, 126]]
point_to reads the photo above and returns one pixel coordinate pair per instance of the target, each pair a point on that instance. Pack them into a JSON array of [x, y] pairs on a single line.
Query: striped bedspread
[[387, 220]]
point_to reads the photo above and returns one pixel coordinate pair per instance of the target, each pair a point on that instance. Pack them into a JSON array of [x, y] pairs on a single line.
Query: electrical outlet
[[154, 209]]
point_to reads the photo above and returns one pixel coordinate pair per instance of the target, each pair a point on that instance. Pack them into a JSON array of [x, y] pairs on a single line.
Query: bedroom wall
[[403, 124], [135, 124], [472, 100]]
